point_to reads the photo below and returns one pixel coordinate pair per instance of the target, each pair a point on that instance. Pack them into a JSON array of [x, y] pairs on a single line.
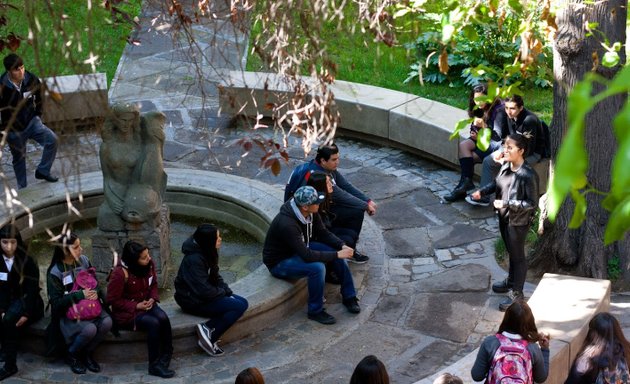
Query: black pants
[[157, 325], [10, 334], [514, 239], [345, 217]]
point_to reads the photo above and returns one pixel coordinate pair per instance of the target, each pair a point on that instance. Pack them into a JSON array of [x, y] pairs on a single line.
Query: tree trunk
[[582, 250]]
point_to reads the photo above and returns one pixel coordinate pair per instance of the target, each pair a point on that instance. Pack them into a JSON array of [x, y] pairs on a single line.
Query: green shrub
[[614, 268]]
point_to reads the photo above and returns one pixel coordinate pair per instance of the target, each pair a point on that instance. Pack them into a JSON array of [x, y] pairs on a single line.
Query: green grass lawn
[[47, 52]]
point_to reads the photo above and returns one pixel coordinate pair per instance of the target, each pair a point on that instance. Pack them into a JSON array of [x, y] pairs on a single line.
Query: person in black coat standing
[[20, 301]]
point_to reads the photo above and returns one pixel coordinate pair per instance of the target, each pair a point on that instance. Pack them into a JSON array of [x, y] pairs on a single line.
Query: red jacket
[[123, 295]]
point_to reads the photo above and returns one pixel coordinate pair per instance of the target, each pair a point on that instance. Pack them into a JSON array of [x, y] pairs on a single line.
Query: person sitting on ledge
[[299, 245], [201, 291]]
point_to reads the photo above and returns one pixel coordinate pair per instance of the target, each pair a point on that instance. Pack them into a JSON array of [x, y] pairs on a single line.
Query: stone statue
[[134, 181]]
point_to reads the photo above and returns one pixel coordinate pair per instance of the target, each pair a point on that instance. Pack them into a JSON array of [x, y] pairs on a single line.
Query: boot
[[159, 370], [512, 297], [165, 359], [459, 192], [76, 364], [502, 286]]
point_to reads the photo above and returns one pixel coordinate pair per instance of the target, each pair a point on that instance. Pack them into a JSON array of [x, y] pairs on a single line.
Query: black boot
[[165, 359], [512, 297], [76, 364], [91, 364], [459, 192], [8, 370], [502, 286], [159, 370]]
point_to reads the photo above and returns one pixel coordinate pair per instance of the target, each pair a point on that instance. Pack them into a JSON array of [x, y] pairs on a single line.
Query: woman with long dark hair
[[517, 330], [370, 370], [516, 188], [250, 375], [20, 301], [605, 354], [81, 336], [201, 291], [133, 294], [485, 114]]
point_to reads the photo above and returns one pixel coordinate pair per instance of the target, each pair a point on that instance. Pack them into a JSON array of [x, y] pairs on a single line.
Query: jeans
[[295, 267], [159, 335], [36, 130], [514, 239], [349, 236], [223, 313]]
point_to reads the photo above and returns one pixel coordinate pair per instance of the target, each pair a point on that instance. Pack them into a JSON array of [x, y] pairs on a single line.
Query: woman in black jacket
[[516, 188], [201, 291], [20, 301]]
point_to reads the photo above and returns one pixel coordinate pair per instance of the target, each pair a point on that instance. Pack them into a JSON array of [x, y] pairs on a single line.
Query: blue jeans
[[223, 313], [295, 267], [36, 130]]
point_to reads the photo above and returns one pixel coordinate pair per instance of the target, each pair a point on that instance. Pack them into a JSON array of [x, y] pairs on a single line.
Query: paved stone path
[[424, 294]]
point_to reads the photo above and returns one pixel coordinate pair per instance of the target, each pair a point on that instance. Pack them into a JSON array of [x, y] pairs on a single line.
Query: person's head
[[370, 370], [67, 248], [14, 66], [604, 341], [11, 241], [515, 148], [447, 378], [514, 106], [308, 199], [250, 375], [475, 108], [328, 156], [136, 257], [519, 319]]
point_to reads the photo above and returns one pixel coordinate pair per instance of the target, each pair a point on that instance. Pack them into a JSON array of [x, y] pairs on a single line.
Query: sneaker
[[502, 286], [358, 258], [204, 333], [352, 304], [212, 349], [483, 202], [322, 317], [512, 297]]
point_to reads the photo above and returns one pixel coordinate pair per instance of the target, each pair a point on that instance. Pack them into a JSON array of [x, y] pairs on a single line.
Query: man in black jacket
[[299, 245], [21, 110]]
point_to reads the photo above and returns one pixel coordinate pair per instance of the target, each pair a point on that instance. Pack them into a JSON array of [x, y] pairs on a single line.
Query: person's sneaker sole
[[361, 260], [323, 320], [208, 351], [202, 334], [480, 203]]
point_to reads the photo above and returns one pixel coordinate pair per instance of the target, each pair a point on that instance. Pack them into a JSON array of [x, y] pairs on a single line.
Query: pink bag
[[85, 309]]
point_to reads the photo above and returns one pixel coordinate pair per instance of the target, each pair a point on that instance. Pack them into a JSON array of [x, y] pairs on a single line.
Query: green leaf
[[470, 33], [401, 12], [579, 212], [617, 46], [618, 223], [483, 138], [610, 59], [610, 202], [620, 176], [516, 6], [619, 84], [462, 124]]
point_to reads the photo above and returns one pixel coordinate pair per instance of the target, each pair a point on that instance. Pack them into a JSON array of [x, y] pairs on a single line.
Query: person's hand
[[543, 340], [228, 292], [498, 157], [150, 302], [144, 305], [90, 294], [498, 204], [475, 195], [473, 135], [21, 321], [345, 252], [371, 208]]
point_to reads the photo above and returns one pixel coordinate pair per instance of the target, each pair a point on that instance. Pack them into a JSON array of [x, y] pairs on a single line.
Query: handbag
[[84, 309]]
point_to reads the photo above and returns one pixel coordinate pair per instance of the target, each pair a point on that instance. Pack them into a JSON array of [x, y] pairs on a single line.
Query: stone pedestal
[[107, 245]]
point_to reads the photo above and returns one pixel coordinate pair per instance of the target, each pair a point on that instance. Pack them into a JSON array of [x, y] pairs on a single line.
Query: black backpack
[[546, 138]]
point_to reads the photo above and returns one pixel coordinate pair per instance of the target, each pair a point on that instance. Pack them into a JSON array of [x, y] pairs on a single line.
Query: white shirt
[[9, 262]]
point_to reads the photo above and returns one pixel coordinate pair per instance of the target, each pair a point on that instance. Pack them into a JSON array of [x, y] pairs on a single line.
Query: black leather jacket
[[521, 195]]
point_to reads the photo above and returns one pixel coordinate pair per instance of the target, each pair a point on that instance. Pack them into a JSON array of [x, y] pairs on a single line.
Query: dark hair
[[62, 242], [370, 370], [130, 256], [604, 346], [325, 151], [473, 108], [317, 180], [516, 99], [206, 237], [521, 140], [10, 231], [250, 375], [519, 319], [447, 378], [12, 61]]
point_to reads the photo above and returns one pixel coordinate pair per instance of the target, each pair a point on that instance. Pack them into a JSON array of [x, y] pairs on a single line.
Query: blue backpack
[[298, 178]]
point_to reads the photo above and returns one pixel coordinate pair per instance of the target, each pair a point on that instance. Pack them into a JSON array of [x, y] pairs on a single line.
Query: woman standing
[[201, 291], [20, 301], [81, 336], [517, 331], [605, 354], [133, 294], [516, 188], [485, 115]]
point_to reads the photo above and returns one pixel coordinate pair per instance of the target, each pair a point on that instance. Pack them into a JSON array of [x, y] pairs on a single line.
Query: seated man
[[520, 121], [348, 203], [299, 245]]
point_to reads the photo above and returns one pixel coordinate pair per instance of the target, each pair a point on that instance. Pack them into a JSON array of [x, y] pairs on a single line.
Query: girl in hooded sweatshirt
[[201, 291]]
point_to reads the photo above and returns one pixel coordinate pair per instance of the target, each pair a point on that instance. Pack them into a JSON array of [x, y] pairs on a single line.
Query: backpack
[[546, 138], [298, 178], [619, 376], [511, 364], [84, 309]]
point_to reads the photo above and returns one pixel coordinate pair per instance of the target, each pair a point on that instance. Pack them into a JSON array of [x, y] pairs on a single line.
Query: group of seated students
[[82, 314]]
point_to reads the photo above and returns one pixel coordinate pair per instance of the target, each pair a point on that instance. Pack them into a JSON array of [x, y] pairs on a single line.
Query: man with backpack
[[520, 121]]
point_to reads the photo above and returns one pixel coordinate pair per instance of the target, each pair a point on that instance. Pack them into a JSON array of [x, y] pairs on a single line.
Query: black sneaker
[[512, 297], [352, 304], [211, 349], [160, 370], [204, 333], [483, 202], [502, 286], [358, 258], [8, 370], [322, 317]]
